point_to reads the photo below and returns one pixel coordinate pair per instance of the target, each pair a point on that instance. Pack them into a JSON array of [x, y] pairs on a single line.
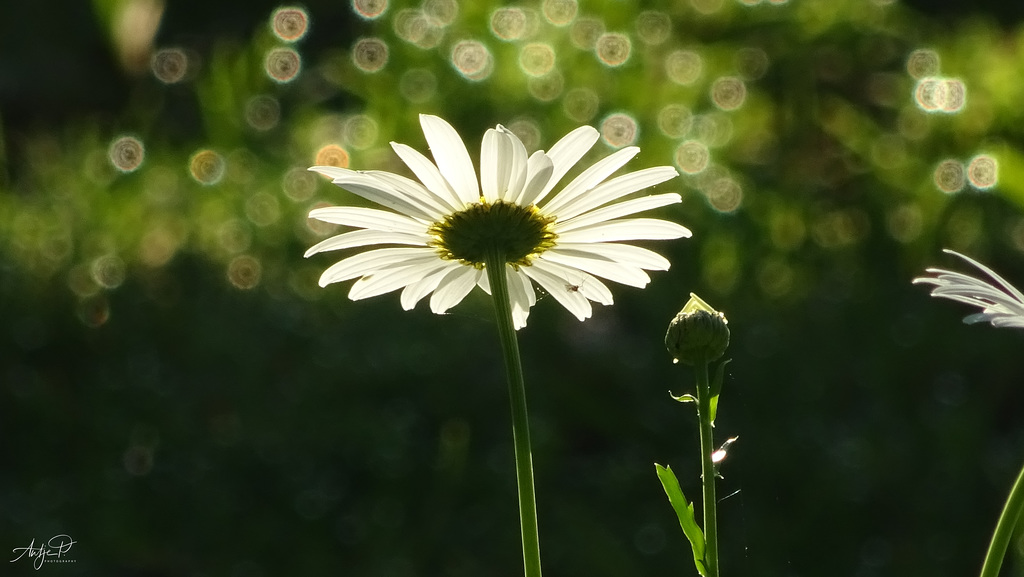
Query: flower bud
[[698, 333]]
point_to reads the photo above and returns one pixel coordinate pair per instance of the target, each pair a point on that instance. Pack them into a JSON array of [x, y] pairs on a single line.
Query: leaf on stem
[[716, 389], [718, 456], [684, 398], [684, 510]]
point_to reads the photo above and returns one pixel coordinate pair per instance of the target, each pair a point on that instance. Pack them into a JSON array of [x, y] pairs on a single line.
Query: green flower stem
[[1004, 529], [707, 468], [495, 264]]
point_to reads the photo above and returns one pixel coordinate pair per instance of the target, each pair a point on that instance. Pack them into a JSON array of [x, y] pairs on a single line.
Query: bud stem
[[707, 447], [495, 266], [1004, 529]]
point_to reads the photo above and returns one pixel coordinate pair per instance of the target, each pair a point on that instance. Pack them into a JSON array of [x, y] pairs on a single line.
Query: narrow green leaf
[[716, 388], [684, 398], [684, 511]]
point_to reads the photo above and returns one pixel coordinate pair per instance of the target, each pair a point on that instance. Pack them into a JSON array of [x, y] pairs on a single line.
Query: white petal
[[574, 302], [330, 171], [484, 282], [376, 191], [579, 281], [947, 278], [451, 156], [566, 153], [627, 229], [958, 281], [590, 178], [1001, 303], [371, 218], [366, 237], [614, 271], [616, 188], [413, 293], [1007, 286], [517, 162], [595, 290], [531, 295], [428, 174], [453, 288], [503, 165], [521, 296], [621, 253], [1015, 321], [494, 172], [616, 210], [415, 193], [370, 261], [519, 316], [974, 292], [539, 169], [989, 300], [388, 280], [389, 189]]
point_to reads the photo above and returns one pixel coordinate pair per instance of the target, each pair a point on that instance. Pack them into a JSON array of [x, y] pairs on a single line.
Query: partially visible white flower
[[446, 224], [1001, 303]]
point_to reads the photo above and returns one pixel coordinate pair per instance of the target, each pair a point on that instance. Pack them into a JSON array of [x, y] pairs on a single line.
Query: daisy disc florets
[[439, 230]]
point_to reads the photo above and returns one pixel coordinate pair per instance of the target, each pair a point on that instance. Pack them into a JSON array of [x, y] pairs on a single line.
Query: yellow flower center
[[518, 232]]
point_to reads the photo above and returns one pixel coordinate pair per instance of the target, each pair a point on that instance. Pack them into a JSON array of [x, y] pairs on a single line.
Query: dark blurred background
[[178, 395]]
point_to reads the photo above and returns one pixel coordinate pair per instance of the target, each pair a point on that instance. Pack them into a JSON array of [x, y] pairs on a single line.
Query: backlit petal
[[453, 288], [621, 253], [451, 156], [415, 292], [366, 237], [389, 185], [429, 175], [494, 173], [590, 178], [517, 161], [376, 191], [611, 270], [379, 259], [574, 302], [614, 189], [625, 208], [371, 218], [627, 229], [388, 280], [539, 170], [566, 153]]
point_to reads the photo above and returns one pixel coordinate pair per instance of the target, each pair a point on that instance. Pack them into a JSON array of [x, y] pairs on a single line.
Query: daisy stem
[[1004, 529], [707, 467], [495, 266]]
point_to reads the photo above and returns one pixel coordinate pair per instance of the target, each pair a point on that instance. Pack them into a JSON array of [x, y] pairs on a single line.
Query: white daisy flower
[[1001, 303], [445, 224]]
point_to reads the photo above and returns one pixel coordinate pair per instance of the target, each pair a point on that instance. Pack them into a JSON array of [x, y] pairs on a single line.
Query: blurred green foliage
[[181, 398]]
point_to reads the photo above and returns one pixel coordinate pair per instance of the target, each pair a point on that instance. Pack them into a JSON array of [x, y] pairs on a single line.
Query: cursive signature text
[[51, 551]]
